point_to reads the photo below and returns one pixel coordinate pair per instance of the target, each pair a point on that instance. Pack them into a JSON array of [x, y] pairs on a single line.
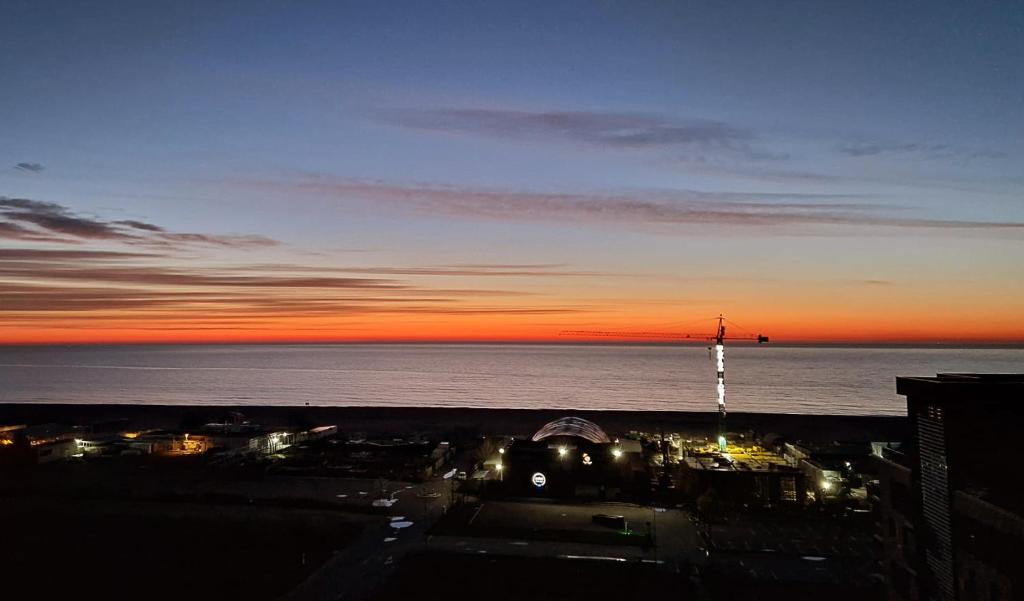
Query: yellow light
[[501, 451], [499, 467], [562, 451], [826, 485], [617, 453]]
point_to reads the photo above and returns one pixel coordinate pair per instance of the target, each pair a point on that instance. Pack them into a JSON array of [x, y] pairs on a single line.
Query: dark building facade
[[952, 500], [897, 529]]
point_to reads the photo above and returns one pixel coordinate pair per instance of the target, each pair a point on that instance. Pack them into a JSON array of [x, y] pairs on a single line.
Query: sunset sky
[[415, 171]]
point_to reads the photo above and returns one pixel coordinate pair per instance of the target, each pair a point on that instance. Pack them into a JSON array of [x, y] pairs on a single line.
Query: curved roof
[[572, 426]]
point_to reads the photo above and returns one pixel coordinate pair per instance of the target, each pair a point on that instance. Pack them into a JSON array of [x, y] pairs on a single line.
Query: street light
[[562, 451], [616, 453]]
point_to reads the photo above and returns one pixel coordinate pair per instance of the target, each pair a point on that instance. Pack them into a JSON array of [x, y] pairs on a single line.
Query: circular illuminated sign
[[539, 480]]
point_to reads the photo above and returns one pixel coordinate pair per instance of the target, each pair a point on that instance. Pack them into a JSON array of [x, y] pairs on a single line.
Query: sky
[[266, 171]]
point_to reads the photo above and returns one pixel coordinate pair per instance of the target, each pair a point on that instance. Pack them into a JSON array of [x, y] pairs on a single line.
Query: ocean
[[769, 379]]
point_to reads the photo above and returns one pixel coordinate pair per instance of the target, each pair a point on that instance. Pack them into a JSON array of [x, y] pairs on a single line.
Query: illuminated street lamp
[[562, 451]]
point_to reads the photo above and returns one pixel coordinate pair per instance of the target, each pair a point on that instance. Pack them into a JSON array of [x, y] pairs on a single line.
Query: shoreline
[[423, 420]]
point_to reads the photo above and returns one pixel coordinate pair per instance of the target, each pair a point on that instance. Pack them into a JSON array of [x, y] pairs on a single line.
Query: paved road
[[354, 572]]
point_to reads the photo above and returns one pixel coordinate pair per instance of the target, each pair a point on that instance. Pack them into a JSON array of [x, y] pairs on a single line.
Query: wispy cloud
[[691, 143], [29, 167], [667, 211], [541, 270], [140, 225], [56, 220], [47, 255], [35, 220], [690, 138], [78, 287], [611, 129], [916, 150], [14, 231]]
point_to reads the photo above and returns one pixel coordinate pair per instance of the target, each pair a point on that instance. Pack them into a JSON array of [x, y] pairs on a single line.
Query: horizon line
[[1010, 344]]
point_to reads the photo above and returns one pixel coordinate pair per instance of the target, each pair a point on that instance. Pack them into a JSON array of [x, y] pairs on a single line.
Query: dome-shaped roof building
[[572, 426]]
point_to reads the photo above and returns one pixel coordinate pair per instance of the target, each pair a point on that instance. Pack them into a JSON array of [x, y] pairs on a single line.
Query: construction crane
[[719, 339]]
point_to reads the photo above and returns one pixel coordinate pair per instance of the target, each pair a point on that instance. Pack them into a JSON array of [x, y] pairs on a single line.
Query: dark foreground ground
[[441, 575], [74, 547]]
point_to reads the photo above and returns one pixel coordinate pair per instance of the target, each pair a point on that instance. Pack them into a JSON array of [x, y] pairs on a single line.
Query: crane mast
[[720, 363], [719, 339]]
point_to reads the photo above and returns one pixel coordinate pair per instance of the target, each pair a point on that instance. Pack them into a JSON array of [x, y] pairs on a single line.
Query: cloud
[[617, 131], [129, 275], [485, 270], [29, 167], [142, 282], [161, 235], [465, 270], [115, 267], [55, 219], [17, 232], [46, 254], [247, 241], [27, 219], [82, 288], [140, 225], [83, 271], [677, 211], [916, 150]]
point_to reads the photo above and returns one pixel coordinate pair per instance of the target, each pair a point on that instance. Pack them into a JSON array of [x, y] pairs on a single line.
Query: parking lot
[[562, 517], [545, 529]]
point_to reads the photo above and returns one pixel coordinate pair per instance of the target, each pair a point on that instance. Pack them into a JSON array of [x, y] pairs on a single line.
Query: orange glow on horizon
[[186, 303], [781, 330]]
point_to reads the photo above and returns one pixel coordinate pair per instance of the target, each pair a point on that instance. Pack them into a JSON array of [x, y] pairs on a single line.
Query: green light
[[721, 444]]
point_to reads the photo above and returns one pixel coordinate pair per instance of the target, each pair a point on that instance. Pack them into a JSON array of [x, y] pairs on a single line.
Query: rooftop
[[953, 386]]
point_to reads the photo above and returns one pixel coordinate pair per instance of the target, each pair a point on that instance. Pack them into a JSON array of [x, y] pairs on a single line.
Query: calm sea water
[[773, 379]]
